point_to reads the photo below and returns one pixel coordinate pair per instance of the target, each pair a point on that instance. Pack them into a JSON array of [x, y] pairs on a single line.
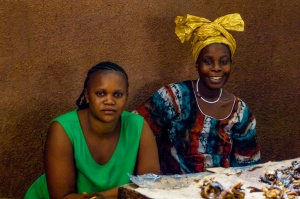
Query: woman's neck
[[100, 128], [207, 93]]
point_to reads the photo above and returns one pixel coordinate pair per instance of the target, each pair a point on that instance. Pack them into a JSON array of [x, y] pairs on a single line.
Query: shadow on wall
[[141, 94], [175, 68], [178, 67], [26, 124], [22, 149]]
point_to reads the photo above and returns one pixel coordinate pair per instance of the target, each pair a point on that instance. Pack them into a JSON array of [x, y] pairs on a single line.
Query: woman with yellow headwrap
[[197, 123]]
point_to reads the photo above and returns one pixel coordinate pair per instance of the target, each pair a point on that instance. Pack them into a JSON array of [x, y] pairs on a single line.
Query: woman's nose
[[109, 100], [216, 67]]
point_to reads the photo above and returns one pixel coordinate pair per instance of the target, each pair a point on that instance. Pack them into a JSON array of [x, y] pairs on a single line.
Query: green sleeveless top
[[92, 177]]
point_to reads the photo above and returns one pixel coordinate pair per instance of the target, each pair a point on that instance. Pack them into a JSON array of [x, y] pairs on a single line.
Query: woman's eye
[[118, 95], [207, 62], [100, 94], [224, 62]]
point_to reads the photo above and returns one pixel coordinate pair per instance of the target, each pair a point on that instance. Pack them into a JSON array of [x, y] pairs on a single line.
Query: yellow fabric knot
[[205, 32]]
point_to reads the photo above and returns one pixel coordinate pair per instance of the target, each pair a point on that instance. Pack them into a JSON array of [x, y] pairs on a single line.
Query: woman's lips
[[216, 79], [109, 111]]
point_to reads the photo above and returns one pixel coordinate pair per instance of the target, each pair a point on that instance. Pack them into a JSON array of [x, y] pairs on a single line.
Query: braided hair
[[102, 66]]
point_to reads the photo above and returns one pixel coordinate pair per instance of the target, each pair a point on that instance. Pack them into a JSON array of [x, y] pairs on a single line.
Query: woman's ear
[[86, 95]]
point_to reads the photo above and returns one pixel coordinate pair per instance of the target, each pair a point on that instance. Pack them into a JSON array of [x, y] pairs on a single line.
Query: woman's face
[[214, 65], [106, 94]]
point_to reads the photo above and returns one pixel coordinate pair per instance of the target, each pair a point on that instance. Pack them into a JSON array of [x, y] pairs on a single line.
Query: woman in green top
[[90, 151]]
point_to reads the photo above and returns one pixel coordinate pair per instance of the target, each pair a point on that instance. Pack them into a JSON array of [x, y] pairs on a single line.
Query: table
[[249, 176]]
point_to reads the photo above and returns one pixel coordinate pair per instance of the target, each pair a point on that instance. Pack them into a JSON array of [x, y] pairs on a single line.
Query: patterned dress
[[190, 141]]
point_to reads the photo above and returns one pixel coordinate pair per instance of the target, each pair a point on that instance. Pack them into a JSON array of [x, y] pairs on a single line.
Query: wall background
[[46, 48]]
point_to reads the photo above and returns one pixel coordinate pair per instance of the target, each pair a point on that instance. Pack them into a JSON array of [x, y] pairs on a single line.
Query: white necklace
[[198, 94]]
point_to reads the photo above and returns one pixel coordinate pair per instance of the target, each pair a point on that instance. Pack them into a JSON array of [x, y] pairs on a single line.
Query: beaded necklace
[[199, 96]]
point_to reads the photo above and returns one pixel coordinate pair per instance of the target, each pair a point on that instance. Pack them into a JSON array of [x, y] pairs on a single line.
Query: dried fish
[[211, 189], [284, 182]]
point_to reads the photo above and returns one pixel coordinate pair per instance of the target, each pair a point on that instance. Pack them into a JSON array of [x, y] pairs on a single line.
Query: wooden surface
[[128, 191]]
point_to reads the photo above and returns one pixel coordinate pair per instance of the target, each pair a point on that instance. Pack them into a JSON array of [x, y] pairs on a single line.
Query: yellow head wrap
[[206, 32]]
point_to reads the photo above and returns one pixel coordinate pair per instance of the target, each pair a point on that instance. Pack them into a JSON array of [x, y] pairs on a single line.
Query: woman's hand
[[93, 196]]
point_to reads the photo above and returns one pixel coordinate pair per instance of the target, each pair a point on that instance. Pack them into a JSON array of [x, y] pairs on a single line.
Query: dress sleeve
[[158, 110], [245, 149]]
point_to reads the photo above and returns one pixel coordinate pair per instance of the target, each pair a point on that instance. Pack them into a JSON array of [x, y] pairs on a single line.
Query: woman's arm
[[147, 161], [59, 164], [159, 110], [246, 150]]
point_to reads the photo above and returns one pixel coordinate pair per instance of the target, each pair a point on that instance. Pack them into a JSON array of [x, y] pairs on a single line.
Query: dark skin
[[214, 67], [106, 94]]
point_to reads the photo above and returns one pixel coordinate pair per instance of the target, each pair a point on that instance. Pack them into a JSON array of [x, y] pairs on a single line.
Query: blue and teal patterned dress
[[189, 141]]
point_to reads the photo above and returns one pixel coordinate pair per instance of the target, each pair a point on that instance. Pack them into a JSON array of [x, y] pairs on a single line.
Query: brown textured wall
[[46, 48]]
